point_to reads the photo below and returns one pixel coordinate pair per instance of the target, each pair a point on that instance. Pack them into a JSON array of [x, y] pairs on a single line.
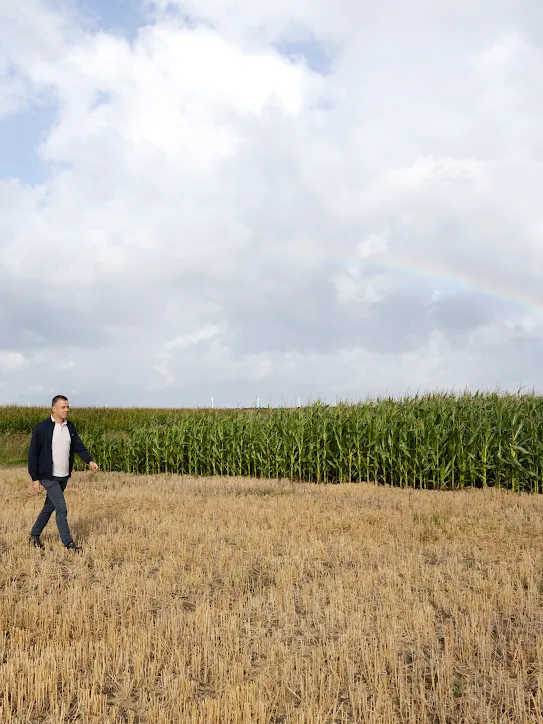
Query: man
[[50, 462]]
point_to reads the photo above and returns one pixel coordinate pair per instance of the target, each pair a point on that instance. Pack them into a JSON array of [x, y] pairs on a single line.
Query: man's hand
[[93, 466], [36, 486]]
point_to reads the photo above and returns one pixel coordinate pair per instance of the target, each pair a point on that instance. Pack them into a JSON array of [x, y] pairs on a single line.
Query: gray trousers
[[54, 500]]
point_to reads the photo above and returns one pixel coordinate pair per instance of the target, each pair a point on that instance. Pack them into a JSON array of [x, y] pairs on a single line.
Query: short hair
[[56, 398]]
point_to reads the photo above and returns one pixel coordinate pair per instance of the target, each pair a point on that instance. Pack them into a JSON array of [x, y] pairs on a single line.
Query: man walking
[[50, 462]]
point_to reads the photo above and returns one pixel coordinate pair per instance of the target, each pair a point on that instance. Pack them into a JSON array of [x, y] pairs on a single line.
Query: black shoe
[[35, 540], [73, 547]]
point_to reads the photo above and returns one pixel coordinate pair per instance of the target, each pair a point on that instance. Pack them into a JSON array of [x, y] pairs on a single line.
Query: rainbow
[[457, 282]]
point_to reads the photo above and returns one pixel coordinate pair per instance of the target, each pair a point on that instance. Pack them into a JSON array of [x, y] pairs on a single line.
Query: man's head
[[61, 407]]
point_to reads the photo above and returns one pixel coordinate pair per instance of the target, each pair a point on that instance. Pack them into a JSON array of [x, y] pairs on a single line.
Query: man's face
[[61, 409]]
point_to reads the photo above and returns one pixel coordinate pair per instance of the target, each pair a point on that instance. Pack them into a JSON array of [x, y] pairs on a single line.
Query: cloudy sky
[[245, 199]]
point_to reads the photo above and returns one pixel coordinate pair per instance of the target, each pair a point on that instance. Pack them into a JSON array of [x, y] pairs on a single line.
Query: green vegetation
[[436, 441], [13, 448]]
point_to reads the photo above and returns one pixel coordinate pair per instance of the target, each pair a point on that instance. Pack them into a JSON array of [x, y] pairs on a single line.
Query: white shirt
[[61, 449]]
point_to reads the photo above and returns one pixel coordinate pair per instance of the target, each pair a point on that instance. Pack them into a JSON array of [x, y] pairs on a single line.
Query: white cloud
[[12, 362], [187, 340], [216, 215], [501, 53], [262, 22]]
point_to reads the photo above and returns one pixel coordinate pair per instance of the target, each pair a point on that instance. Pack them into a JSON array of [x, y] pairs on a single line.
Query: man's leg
[[43, 517], [55, 492]]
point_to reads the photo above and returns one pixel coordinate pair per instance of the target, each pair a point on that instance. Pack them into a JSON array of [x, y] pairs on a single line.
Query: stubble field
[[220, 600]]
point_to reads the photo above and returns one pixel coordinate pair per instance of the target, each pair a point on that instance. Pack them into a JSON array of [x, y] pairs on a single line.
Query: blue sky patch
[[118, 17], [318, 56], [20, 135]]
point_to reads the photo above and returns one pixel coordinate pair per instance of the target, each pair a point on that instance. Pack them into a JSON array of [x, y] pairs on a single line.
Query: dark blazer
[[40, 453]]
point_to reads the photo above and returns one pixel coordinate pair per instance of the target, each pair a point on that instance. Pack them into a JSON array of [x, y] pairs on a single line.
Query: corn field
[[436, 441]]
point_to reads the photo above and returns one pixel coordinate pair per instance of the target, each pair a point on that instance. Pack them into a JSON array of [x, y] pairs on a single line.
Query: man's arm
[[33, 456]]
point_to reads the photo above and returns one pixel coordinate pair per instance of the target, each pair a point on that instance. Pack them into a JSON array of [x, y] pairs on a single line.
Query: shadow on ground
[[98, 522]]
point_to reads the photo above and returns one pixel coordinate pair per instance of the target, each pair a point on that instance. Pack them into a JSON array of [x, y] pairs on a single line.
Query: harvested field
[[220, 600]]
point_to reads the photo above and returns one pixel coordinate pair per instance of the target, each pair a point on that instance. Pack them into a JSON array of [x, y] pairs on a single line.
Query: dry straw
[[234, 600]]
